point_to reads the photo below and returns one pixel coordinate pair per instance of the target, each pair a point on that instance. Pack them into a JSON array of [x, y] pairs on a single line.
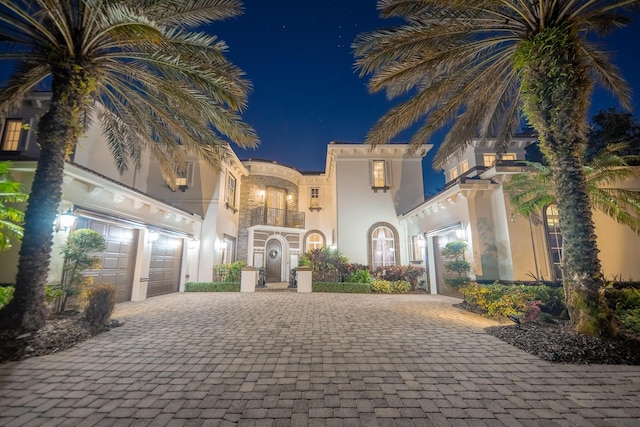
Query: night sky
[[306, 93]]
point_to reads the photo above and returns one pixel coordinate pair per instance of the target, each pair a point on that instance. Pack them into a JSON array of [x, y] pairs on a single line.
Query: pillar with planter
[[248, 279], [304, 279]]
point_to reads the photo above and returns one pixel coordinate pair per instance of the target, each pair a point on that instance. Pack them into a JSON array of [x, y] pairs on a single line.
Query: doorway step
[[277, 287]]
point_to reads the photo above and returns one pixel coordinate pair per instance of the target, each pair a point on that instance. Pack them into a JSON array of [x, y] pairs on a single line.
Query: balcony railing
[[277, 217]]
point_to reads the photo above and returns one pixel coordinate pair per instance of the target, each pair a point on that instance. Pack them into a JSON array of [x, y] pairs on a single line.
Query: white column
[[248, 279], [304, 279]]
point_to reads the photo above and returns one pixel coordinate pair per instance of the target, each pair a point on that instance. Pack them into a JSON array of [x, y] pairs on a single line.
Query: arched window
[[383, 243], [313, 240], [554, 240]]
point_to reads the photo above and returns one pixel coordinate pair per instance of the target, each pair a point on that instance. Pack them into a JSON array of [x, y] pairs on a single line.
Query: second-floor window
[[464, 166], [184, 176], [11, 134], [231, 191], [379, 174], [315, 197], [453, 173], [489, 160]]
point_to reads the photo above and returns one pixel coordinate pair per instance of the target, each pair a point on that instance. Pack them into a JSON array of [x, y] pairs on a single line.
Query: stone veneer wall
[[249, 199]]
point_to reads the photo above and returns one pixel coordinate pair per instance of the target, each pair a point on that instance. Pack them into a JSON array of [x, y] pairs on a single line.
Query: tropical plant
[[530, 193], [139, 67], [453, 252], [11, 218], [78, 254], [480, 64]]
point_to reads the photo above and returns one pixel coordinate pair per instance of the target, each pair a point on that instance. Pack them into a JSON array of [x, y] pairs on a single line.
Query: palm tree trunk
[[556, 89], [57, 133]]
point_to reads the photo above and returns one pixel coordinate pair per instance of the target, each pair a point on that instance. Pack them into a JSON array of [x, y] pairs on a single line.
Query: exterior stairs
[[277, 287]]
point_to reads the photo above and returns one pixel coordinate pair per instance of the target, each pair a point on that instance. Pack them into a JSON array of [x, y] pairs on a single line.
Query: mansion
[[368, 203]]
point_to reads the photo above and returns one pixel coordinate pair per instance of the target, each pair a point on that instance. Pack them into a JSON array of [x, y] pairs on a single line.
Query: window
[[314, 240], [230, 195], [184, 176], [315, 198], [382, 246], [418, 243], [379, 174], [464, 167], [11, 137], [489, 160], [453, 173], [554, 240], [228, 249]]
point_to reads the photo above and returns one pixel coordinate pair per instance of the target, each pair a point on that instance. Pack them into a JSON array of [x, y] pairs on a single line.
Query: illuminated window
[[383, 247], [315, 197], [554, 240], [314, 240], [489, 160], [418, 243], [184, 176], [11, 137], [230, 196], [464, 166], [453, 173], [379, 174]]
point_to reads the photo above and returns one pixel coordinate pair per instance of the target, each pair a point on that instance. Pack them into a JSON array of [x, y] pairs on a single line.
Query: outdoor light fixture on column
[[460, 233], [65, 221]]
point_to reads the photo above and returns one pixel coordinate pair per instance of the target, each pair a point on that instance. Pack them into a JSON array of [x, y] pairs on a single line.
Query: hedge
[[212, 287], [344, 287]]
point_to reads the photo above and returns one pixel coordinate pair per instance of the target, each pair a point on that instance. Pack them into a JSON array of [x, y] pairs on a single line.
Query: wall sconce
[[421, 241], [461, 234], [65, 221], [223, 245], [261, 194], [289, 197], [153, 236]]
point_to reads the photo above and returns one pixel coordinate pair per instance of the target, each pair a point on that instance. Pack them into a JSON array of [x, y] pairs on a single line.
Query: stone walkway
[[287, 359]]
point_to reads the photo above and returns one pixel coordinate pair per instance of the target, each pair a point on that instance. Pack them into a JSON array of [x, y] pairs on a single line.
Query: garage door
[[164, 270], [118, 260]]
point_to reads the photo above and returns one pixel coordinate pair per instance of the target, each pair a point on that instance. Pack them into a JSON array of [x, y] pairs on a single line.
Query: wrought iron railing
[[277, 217]]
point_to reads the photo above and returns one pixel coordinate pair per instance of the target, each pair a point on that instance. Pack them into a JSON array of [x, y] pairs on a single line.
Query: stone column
[[248, 280], [304, 279]]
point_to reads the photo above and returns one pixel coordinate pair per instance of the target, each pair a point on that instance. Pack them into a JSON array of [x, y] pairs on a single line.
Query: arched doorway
[[273, 264]]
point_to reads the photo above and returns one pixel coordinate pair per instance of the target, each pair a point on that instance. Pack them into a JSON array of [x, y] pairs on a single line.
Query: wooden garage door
[[118, 260], [164, 270]]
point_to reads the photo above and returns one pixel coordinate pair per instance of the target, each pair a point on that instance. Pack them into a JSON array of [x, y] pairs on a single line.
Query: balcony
[[277, 217]]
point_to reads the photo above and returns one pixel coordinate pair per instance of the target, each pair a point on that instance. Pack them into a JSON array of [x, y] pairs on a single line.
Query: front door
[[274, 261]]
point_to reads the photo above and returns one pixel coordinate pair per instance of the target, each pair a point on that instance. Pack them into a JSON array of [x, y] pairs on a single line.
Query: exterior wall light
[[65, 221], [461, 234], [153, 236]]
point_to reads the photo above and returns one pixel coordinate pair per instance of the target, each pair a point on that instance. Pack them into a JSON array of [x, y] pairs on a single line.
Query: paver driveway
[[279, 359]]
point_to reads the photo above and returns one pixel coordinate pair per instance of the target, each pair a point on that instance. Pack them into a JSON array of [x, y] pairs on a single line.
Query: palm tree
[[140, 67], [530, 193], [10, 217], [480, 64]]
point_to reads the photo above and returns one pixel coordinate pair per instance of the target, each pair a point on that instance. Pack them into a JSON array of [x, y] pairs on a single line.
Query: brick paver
[[287, 359]]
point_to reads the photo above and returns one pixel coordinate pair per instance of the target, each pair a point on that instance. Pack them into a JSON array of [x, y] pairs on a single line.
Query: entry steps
[[277, 287]]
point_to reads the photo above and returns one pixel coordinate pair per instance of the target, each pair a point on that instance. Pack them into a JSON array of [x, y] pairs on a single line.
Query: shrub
[[400, 287], [6, 294], [625, 304], [381, 287], [228, 272], [78, 257], [528, 302], [327, 264], [360, 276], [343, 287], [392, 273], [212, 287], [453, 252], [102, 300]]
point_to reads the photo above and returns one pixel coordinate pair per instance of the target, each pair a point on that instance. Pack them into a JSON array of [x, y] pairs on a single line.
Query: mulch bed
[[62, 331], [557, 342]]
